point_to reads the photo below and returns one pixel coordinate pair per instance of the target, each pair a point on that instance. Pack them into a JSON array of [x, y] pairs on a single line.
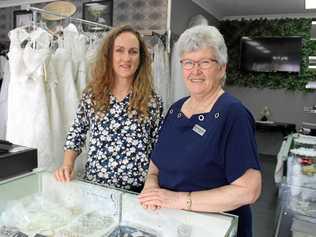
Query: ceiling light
[[310, 4], [266, 51], [253, 43], [260, 47]]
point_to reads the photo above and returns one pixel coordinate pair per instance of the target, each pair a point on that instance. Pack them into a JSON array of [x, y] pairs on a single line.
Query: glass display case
[[36, 204], [300, 200], [297, 191], [305, 141], [301, 164]]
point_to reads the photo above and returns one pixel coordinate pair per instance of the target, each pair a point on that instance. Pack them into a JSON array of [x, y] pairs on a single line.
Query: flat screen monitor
[[270, 54]]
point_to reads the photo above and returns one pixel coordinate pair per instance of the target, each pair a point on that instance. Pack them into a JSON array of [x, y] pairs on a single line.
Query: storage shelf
[[309, 124], [310, 110]]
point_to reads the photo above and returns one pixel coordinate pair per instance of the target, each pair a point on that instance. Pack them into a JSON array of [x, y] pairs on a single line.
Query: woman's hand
[[162, 198], [64, 173], [151, 184], [148, 206]]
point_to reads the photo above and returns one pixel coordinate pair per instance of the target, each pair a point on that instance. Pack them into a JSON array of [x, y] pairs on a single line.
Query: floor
[[264, 209]]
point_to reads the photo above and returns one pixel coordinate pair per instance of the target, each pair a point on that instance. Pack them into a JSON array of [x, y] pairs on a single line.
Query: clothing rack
[[163, 35], [36, 10], [160, 34]]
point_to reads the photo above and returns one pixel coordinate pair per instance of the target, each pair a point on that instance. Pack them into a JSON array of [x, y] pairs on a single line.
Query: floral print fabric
[[119, 145]]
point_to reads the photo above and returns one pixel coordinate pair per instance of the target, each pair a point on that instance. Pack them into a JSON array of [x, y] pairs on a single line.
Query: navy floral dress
[[119, 145]]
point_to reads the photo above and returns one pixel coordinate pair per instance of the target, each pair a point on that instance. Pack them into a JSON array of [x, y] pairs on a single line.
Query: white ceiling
[[231, 9], [234, 9]]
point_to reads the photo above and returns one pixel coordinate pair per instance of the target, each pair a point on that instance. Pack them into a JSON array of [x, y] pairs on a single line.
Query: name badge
[[199, 130]]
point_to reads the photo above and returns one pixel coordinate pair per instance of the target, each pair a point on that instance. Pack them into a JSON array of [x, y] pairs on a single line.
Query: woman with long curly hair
[[121, 113]]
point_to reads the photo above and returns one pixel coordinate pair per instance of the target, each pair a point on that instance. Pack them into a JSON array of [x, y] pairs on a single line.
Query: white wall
[[285, 106], [182, 11]]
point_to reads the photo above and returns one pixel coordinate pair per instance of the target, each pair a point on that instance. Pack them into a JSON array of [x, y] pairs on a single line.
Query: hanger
[[161, 37], [28, 29], [80, 28]]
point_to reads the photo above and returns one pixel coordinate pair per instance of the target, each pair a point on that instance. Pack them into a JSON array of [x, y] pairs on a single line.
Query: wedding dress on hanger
[[4, 97], [68, 67], [17, 71], [79, 50], [55, 114], [28, 113], [67, 91], [161, 73], [178, 88]]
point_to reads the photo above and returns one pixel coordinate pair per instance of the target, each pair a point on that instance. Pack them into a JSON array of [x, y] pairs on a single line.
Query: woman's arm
[[151, 184], [75, 139], [66, 172], [245, 190], [152, 177]]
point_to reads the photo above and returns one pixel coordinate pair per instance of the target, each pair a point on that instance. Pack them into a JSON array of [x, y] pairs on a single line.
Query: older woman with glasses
[[206, 155]]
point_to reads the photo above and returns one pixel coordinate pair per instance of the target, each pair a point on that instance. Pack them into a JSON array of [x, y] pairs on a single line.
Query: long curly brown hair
[[102, 73]]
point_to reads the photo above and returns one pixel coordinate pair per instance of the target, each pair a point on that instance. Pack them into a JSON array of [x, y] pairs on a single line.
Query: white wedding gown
[[75, 43], [4, 97], [162, 74], [66, 72], [44, 90], [178, 88], [55, 114], [78, 44], [28, 110]]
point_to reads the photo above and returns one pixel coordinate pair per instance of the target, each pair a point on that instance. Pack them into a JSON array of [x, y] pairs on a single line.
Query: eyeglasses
[[207, 63]]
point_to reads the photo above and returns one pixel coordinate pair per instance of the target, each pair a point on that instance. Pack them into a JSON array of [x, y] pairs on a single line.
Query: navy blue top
[[208, 150]]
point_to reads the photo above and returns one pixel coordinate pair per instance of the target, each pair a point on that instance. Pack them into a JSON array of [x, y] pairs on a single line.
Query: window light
[[310, 4]]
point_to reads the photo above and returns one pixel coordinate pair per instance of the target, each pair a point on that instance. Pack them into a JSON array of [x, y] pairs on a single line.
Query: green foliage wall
[[234, 30]]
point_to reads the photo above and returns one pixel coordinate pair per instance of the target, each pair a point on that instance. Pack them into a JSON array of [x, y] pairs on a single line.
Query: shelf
[[271, 126], [311, 85], [310, 110], [309, 124], [313, 111]]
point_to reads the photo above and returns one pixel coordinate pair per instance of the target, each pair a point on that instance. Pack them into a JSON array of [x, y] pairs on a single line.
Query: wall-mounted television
[[270, 54]]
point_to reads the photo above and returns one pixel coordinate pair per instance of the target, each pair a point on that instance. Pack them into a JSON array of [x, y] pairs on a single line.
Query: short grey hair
[[202, 36]]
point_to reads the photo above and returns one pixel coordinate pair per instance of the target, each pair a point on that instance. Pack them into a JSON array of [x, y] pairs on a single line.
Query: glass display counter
[[297, 191], [36, 204]]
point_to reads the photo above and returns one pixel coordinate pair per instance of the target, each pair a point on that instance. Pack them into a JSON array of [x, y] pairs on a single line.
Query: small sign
[[199, 130]]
